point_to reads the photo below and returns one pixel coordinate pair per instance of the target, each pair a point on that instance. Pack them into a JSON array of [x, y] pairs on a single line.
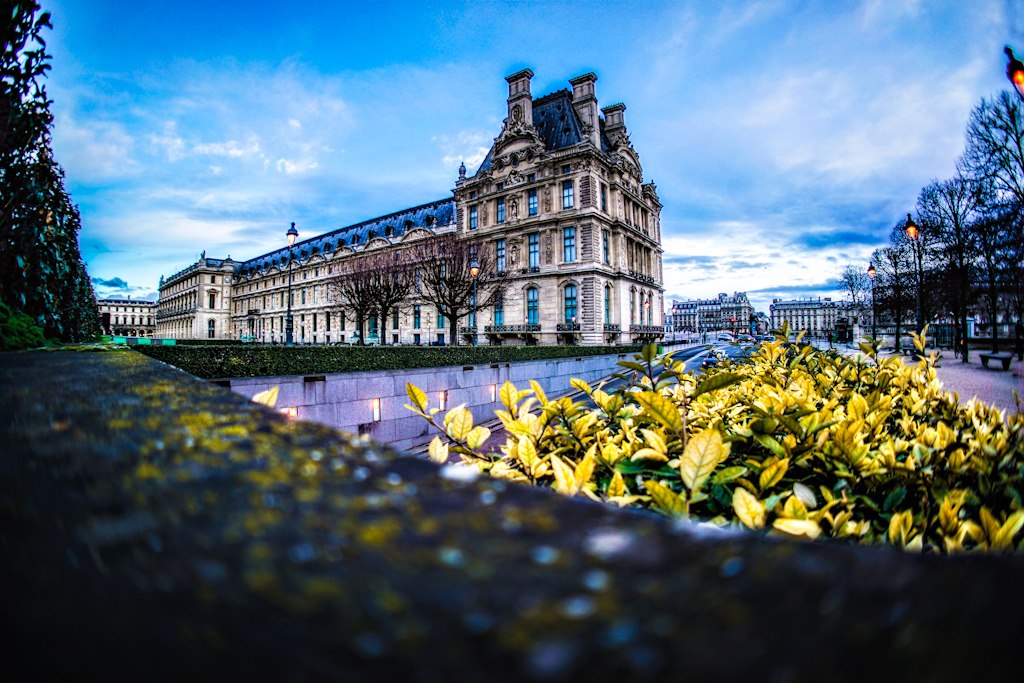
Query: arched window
[[211, 329], [532, 308], [569, 300]]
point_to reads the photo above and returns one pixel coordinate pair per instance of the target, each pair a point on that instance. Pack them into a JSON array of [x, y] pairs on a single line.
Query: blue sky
[[785, 138]]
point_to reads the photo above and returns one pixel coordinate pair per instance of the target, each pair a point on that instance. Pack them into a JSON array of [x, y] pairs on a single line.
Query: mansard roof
[[431, 215], [557, 124]]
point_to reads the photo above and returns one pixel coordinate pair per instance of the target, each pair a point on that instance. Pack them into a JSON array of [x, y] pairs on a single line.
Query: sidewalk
[[971, 379]]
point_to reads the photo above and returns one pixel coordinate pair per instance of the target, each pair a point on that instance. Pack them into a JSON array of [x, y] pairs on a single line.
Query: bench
[[1003, 358]]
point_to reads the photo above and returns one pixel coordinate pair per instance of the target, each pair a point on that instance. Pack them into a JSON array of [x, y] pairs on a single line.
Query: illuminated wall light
[[442, 399], [375, 408], [494, 393], [291, 411]]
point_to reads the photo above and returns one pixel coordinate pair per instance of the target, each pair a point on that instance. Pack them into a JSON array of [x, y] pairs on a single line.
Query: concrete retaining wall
[[345, 400]]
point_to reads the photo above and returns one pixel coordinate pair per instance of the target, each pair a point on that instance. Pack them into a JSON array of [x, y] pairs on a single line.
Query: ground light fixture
[[292, 234], [914, 233], [1015, 71], [375, 409], [474, 270], [442, 399], [494, 393]]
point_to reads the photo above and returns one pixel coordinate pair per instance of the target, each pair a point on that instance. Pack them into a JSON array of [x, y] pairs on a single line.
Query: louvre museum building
[[559, 207]]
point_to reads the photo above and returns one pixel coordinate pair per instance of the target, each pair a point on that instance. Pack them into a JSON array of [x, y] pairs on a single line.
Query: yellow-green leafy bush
[[796, 441]]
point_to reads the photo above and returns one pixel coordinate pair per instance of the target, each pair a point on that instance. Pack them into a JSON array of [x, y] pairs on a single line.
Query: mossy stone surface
[[155, 526]]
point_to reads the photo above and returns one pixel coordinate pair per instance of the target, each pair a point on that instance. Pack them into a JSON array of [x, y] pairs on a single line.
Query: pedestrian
[[1018, 344]]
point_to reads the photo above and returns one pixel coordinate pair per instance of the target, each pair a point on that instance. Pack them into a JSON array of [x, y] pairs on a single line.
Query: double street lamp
[[871, 275], [292, 234]]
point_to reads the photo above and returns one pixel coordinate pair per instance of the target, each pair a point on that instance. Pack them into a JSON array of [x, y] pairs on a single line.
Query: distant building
[[560, 198], [821, 317], [127, 317], [724, 313]]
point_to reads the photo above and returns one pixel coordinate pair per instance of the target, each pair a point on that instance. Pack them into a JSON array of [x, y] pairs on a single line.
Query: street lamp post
[[915, 234], [1015, 71], [871, 274], [292, 234], [474, 270]]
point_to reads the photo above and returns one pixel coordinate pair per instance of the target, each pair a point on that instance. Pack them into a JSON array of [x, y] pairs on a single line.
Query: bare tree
[[351, 288], [993, 232], [855, 282], [948, 209], [390, 281], [994, 151], [444, 279], [896, 278]]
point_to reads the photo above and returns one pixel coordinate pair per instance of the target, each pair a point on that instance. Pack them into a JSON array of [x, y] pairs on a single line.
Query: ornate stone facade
[[127, 317], [561, 200], [724, 313]]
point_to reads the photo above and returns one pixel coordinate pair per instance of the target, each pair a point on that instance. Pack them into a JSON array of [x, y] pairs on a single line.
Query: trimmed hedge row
[[211, 362]]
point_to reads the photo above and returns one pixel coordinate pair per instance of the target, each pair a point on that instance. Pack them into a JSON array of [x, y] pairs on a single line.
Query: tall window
[[212, 300], [632, 306], [416, 316], [604, 197], [499, 249], [570, 303], [341, 320], [531, 202], [327, 321], [532, 312], [499, 310], [314, 322], [373, 324], [394, 320], [566, 194], [605, 248], [568, 245], [440, 318], [607, 305], [534, 249], [501, 210], [472, 218], [211, 329]]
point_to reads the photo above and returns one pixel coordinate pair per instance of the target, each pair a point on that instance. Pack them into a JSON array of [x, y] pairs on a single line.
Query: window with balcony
[[569, 301], [499, 310], [567, 198], [607, 305], [534, 245], [532, 306]]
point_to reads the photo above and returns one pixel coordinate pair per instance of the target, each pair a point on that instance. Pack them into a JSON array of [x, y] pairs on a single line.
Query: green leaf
[[724, 476], [717, 381], [630, 365], [660, 409], [893, 500], [771, 444]]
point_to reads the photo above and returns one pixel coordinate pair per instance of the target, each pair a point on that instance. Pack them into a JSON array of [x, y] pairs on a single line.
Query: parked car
[[733, 354]]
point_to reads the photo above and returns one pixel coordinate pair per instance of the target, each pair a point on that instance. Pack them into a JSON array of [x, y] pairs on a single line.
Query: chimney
[[519, 96], [584, 101], [613, 120]]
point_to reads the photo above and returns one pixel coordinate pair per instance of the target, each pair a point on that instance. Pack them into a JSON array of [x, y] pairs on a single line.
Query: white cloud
[[231, 148], [291, 167]]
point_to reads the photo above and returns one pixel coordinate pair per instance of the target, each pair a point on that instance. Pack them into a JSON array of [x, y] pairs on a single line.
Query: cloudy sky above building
[[786, 138]]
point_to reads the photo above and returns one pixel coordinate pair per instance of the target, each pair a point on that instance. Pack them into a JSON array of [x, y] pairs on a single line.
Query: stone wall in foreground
[[157, 527], [346, 400]]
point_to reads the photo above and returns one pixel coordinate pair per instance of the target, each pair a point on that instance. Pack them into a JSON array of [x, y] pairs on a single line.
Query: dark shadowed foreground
[[155, 526]]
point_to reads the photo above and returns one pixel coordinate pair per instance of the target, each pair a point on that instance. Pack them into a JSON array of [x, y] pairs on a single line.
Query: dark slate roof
[[437, 213], [557, 124]]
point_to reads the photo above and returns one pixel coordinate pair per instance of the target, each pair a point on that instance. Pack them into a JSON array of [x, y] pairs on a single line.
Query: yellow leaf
[[458, 421], [648, 454], [703, 453], [527, 451], [773, 474], [539, 393], [748, 508], [267, 398], [563, 476], [794, 508], [1009, 529], [477, 436], [665, 499], [660, 409], [417, 396], [509, 397], [584, 470], [438, 451], [611, 454], [617, 486], [654, 440], [799, 528], [580, 385]]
